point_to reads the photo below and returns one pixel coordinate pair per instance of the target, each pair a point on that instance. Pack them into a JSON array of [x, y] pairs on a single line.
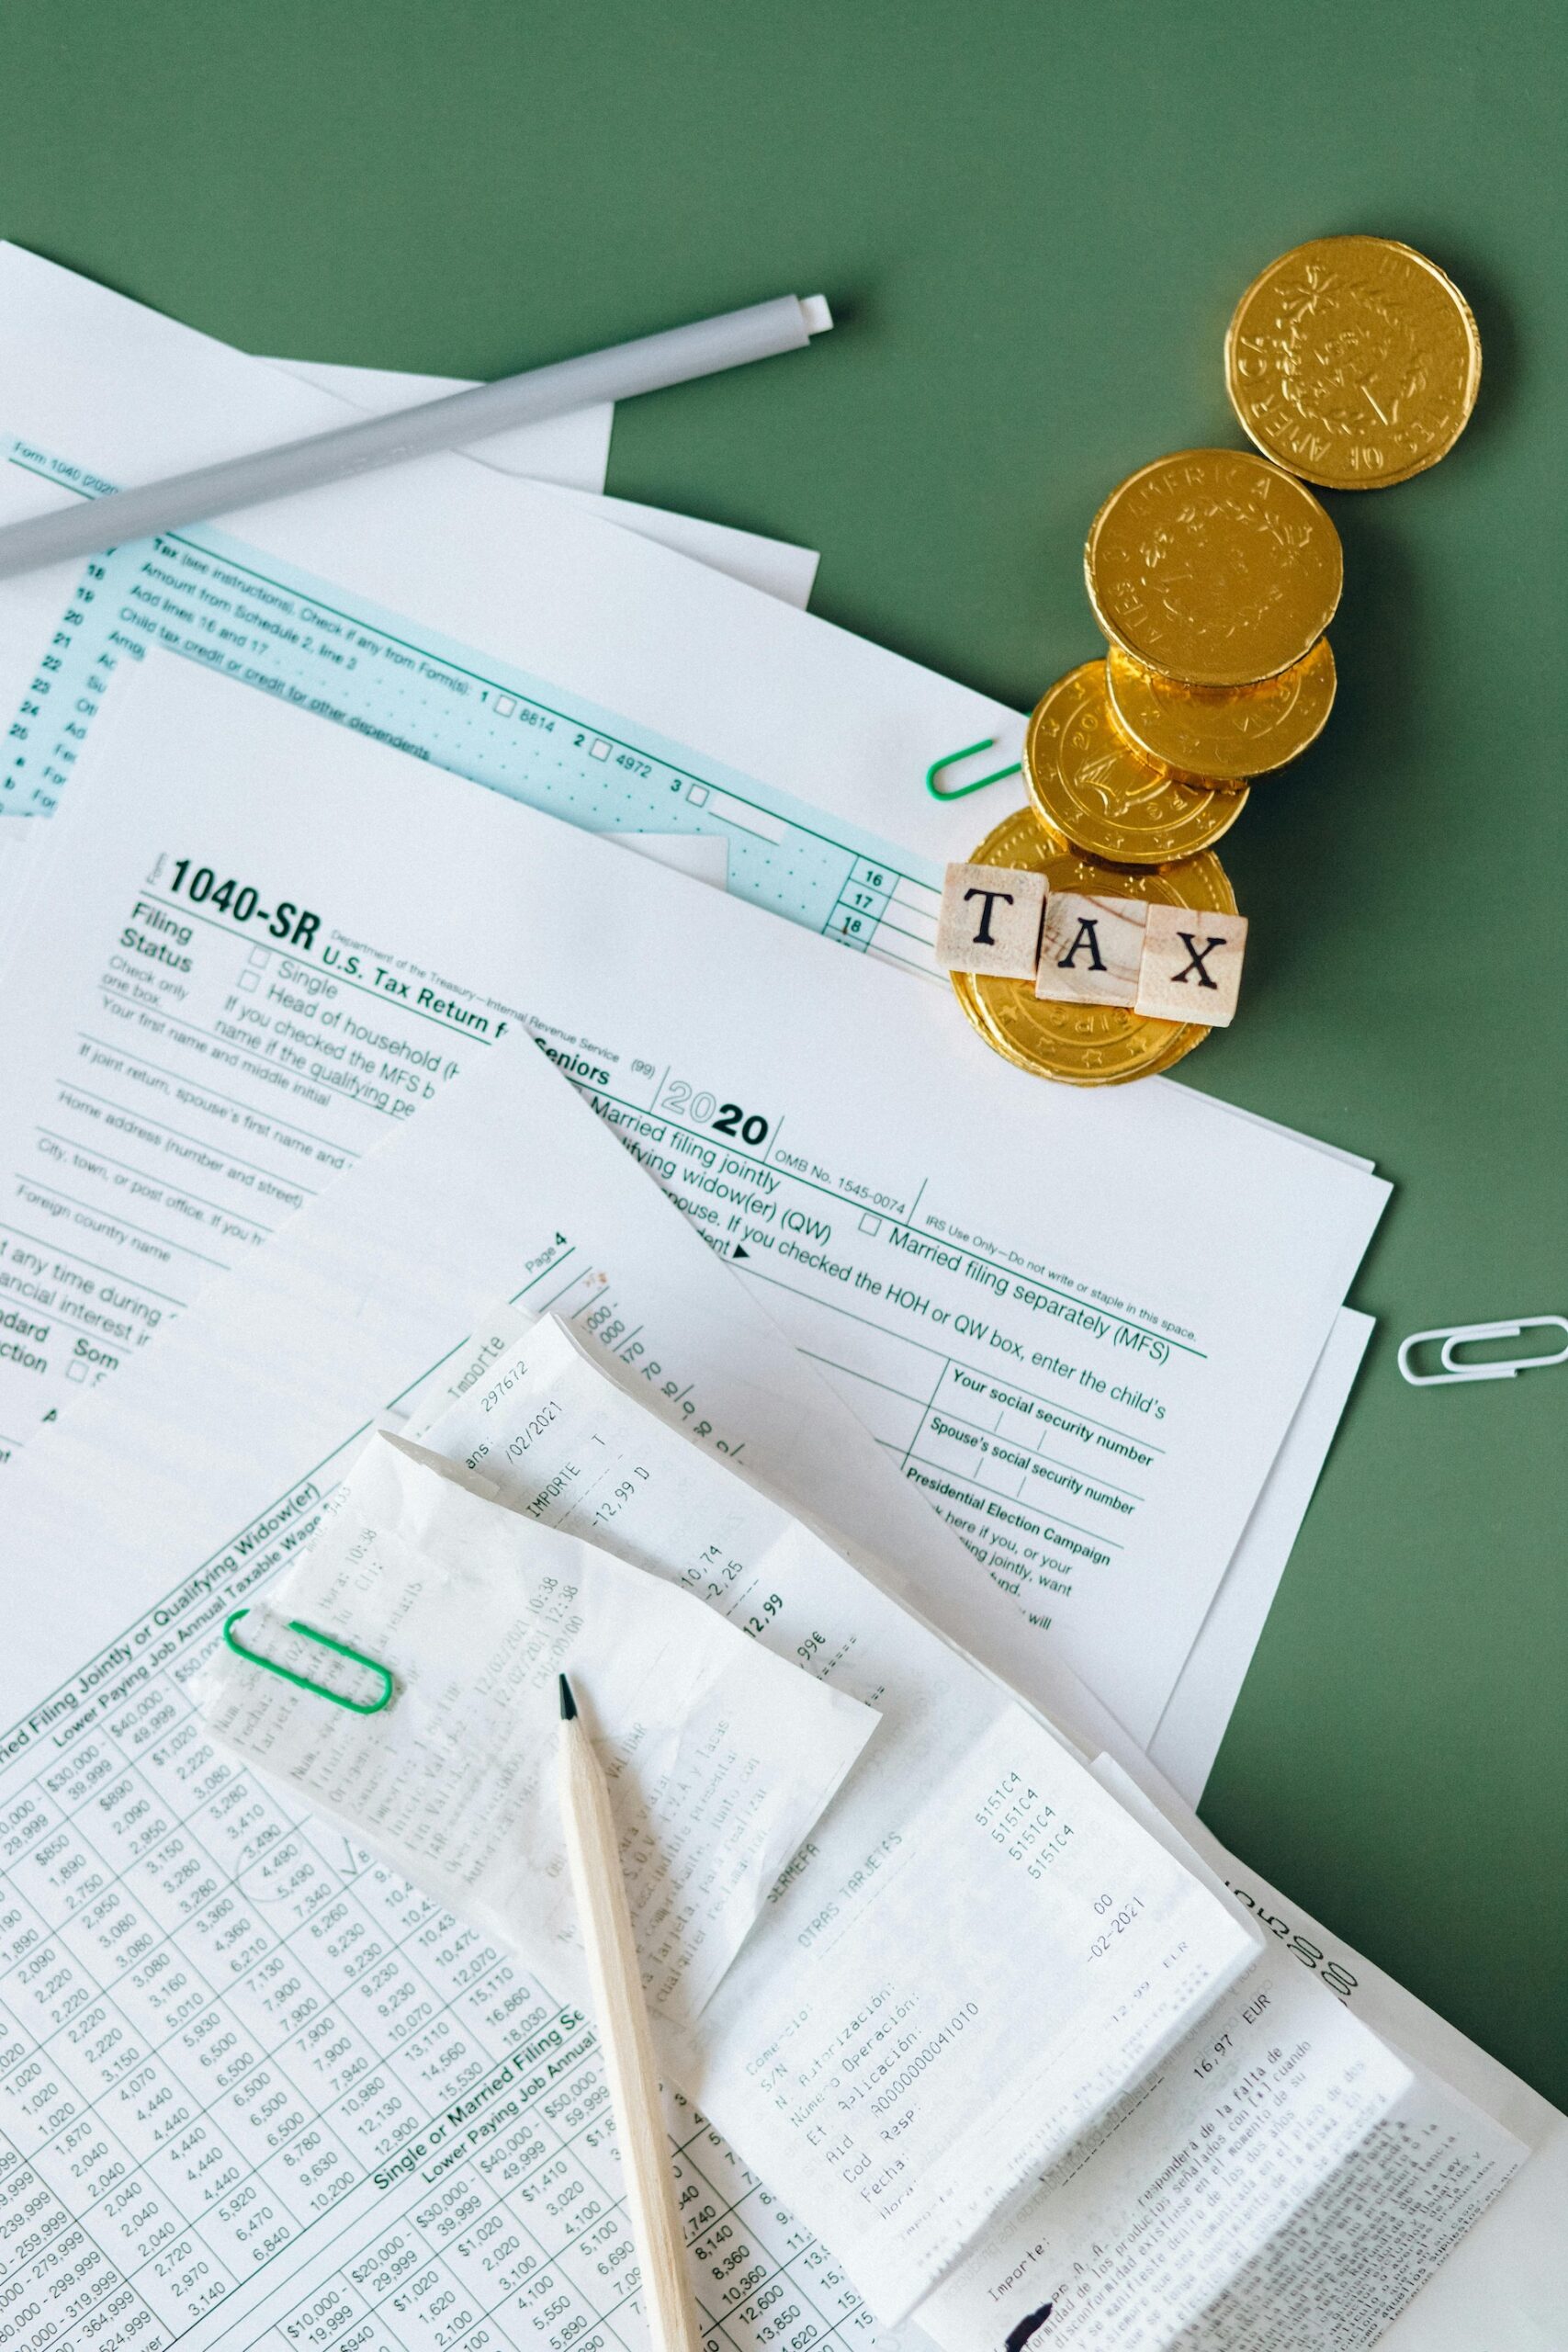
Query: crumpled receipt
[[720, 1755]]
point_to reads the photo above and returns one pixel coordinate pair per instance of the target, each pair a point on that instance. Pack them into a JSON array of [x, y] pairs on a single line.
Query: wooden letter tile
[[990, 921], [1191, 968], [1090, 949]]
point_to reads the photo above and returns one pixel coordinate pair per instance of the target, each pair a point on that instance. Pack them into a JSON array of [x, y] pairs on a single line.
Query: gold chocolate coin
[[1084, 1045], [1354, 361], [1213, 567], [1225, 733], [1185, 1037], [1086, 779]]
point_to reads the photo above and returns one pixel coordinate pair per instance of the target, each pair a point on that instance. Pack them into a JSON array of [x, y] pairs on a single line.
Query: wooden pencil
[[625, 2041]]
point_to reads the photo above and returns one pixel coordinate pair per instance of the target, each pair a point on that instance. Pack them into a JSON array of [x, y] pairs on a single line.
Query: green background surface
[[1033, 221]]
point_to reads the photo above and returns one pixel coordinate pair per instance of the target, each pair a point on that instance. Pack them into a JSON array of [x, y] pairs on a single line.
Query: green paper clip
[[962, 791], [303, 1681]]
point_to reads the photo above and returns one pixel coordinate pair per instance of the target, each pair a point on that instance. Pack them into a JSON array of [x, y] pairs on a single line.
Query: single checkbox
[[259, 955], [249, 980], [870, 1224], [696, 794], [504, 706], [599, 748], [76, 1369]]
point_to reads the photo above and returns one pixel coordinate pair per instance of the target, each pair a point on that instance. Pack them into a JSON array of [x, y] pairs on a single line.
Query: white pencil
[[625, 2044], [647, 364]]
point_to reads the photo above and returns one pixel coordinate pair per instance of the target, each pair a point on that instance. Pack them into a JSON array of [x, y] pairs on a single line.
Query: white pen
[[647, 364]]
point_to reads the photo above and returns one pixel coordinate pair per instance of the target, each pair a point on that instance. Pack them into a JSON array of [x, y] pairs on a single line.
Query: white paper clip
[[1503, 1368]]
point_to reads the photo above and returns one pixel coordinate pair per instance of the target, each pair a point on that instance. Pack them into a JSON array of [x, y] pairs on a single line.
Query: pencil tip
[[568, 1703]]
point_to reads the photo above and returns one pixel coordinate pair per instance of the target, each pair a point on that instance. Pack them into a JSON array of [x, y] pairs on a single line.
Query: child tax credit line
[[275, 629], [230, 2036]]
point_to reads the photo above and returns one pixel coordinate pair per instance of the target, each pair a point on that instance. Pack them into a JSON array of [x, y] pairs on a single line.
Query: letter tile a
[[1090, 949]]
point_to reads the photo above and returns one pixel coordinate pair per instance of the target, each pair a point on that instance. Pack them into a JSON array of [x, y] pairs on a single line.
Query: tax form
[[287, 938], [572, 452], [180, 1490], [1187, 1735], [564, 458]]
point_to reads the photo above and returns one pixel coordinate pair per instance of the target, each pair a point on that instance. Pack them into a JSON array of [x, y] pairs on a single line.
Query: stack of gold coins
[[1213, 575]]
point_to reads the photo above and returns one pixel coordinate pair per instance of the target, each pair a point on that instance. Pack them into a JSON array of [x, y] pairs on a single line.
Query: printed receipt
[[894, 2075], [720, 1756], [1287, 2178]]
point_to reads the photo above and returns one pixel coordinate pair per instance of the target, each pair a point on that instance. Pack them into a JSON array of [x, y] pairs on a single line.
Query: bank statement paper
[[284, 938]]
